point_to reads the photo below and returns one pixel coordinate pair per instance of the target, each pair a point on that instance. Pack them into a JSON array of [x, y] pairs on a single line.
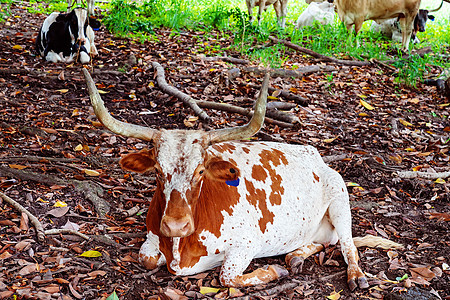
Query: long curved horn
[[437, 8], [116, 126], [248, 130]]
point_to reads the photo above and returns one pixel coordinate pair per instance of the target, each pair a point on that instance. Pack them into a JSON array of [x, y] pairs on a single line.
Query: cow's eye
[[201, 172], [232, 171]]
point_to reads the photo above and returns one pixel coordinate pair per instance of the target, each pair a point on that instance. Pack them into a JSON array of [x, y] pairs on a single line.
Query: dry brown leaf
[[74, 292], [22, 245], [97, 273], [24, 222], [18, 167], [28, 269], [58, 212]]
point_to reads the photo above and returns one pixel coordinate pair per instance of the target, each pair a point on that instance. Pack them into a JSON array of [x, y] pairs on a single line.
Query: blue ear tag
[[233, 182]]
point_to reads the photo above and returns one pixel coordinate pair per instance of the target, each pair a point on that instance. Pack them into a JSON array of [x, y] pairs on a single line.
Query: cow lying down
[[320, 12], [220, 202], [64, 37]]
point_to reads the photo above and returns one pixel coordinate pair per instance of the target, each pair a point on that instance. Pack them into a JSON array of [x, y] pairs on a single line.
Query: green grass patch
[[229, 19]]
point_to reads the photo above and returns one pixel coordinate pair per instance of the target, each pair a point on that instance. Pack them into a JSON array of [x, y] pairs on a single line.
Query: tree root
[[92, 191], [160, 78], [37, 225]]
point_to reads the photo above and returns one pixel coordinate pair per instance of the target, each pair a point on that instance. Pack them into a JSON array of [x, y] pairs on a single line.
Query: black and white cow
[[90, 5], [391, 27], [64, 37]]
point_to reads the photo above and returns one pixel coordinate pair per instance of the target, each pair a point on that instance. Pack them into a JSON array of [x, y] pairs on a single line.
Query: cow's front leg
[[235, 264], [296, 258], [150, 255]]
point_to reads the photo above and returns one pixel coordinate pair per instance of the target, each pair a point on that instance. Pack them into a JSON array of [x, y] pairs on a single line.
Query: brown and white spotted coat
[[224, 203]]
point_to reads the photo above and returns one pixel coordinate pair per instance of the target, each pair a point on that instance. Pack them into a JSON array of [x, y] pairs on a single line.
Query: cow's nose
[[180, 227]]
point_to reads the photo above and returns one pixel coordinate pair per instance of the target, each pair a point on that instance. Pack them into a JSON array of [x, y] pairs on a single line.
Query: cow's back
[[282, 197]]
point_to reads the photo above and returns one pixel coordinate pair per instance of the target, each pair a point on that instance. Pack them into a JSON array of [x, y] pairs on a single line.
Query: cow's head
[[179, 159], [77, 22]]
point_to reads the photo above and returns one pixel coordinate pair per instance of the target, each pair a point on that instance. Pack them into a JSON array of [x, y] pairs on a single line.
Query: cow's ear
[[431, 17], [221, 170], [139, 162]]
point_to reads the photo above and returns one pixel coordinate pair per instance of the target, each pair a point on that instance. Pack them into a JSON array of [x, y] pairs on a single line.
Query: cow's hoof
[[281, 271], [362, 283], [296, 264]]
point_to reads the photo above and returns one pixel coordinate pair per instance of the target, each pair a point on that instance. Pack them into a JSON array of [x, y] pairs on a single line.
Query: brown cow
[[224, 203], [355, 12]]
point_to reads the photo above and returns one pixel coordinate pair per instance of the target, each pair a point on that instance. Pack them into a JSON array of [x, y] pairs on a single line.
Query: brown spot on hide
[[224, 147], [257, 198], [246, 150], [270, 160], [258, 173], [316, 178]]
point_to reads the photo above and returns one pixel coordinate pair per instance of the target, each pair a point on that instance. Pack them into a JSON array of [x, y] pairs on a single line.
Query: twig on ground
[[320, 56], [283, 93], [160, 78], [225, 59], [331, 158], [424, 175], [298, 73], [37, 225], [66, 231], [146, 274], [275, 290]]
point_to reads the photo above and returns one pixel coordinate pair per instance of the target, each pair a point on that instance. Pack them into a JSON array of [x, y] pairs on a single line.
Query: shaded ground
[[47, 128]]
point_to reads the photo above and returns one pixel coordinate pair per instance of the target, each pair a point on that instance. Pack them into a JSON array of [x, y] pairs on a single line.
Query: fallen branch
[[331, 158], [283, 93], [239, 110], [66, 231], [188, 100], [39, 229], [298, 73], [320, 56], [424, 175], [225, 59], [91, 191]]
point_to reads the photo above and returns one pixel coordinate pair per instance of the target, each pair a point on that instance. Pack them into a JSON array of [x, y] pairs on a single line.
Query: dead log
[[188, 100], [320, 56]]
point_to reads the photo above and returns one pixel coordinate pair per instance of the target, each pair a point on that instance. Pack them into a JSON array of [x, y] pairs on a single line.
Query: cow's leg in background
[[90, 36], [283, 9], [278, 11], [296, 258], [262, 7], [235, 263], [250, 5], [406, 24]]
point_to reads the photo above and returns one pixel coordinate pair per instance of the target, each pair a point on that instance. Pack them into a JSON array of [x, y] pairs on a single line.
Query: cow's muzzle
[[177, 227]]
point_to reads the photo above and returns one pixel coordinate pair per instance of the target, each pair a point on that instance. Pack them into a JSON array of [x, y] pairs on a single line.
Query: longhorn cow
[[222, 202]]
